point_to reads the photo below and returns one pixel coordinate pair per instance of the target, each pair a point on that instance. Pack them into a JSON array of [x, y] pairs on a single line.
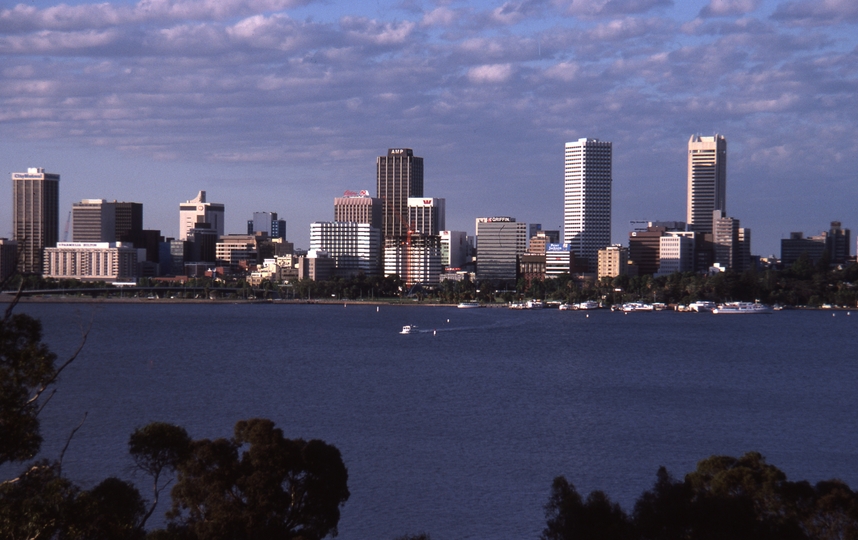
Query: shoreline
[[7, 298]]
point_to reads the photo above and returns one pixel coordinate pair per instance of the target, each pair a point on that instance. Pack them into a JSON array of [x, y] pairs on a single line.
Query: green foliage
[[725, 497], [26, 369], [37, 504], [259, 485]]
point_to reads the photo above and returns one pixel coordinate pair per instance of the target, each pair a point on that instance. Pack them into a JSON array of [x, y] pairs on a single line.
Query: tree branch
[[56, 374], [68, 442]]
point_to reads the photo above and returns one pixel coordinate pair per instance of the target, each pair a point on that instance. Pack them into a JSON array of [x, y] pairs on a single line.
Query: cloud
[[817, 12], [599, 8], [23, 18], [493, 73], [513, 12], [440, 16], [723, 8]]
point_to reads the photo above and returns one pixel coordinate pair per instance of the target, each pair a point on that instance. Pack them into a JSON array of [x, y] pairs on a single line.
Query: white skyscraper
[[707, 180], [587, 199]]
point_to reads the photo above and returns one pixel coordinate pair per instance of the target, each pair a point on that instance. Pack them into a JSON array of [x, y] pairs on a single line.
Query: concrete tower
[[587, 199], [707, 180]]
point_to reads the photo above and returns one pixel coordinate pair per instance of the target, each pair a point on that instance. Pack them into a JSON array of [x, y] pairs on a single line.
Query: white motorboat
[[743, 308], [534, 304], [633, 307], [702, 305], [468, 305], [565, 307], [409, 329], [589, 304]]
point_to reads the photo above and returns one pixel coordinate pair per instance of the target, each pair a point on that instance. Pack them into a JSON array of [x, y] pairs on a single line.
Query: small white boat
[[517, 305], [534, 304], [702, 306], [589, 304], [633, 307], [565, 307], [742, 308], [409, 329], [469, 305]]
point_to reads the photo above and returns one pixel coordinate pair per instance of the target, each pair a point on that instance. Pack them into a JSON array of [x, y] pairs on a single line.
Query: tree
[[259, 485], [569, 517], [158, 448]]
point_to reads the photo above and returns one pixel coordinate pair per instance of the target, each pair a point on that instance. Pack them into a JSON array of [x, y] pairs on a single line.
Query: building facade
[[198, 210], [415, 261], [500, 240], [426, 215], [8, 258], [237, 249], [35, 216], [268, 223], [455, 248], [354, 247], [587, 198], [129, 222], [399, 175], [101, 261], [676, 253], [707, 180], [838, 243], [725, 240], [94, 220], [359, 207], [613, 261], [559, 260]]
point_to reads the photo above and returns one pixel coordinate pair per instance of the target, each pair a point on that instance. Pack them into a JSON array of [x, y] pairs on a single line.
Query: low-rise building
[[613, 261], [89, 261]]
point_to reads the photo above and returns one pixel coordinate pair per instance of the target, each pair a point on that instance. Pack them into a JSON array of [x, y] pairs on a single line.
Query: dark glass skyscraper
[[35, 215], [399, 175]]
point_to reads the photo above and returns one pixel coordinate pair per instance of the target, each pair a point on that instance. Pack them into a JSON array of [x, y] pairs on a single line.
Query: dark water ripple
[[459, 432]]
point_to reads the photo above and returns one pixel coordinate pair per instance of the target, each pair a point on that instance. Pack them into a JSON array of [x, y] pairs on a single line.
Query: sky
[[282, 105]]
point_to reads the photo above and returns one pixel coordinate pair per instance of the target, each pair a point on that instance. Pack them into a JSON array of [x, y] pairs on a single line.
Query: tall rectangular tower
[[35, 215], [360, 208], [587, 198], [129, 221], [707, 180], [399, 176], [94, 220]]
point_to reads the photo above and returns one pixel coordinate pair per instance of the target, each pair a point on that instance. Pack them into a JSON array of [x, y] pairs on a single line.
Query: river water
[[458, 430]]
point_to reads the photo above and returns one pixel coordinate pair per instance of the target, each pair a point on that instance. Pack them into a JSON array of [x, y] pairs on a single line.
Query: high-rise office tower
[[197, 210], [94, 220], [359, 207], [500, 240], [129, 221], [35, 215], [399, 175], [707, 180], [427, 215], [587, 199]]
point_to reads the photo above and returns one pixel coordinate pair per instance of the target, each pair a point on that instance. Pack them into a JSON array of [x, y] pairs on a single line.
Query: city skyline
[[279, 105]]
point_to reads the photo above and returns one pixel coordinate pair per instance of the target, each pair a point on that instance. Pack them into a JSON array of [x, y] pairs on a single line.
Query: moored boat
[[632, 307], [589, 304], [702, 305], [469, 305], [743, 308]]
